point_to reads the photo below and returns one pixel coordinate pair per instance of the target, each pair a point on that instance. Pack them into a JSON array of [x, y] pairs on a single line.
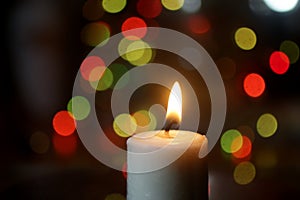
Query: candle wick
[[171, 124]]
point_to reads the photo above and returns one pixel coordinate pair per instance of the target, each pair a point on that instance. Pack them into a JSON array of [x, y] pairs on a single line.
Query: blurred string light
[[266, 125], [281, 6], [245, 38], [198, 24], [291, 49], [149, 9], [231, 141], [39, 142], [92, 10], [254, 85], [124, 125], [81, 109], [95, 33], [191, 6], [244, 173], [115, 196], [227, 67], [134, 23], [113, 6], [64, 146], [64, 123], [279, 62], [172, 4]]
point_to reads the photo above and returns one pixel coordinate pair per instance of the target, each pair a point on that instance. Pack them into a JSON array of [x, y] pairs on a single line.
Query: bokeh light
[[281, 6], [115, 196], [105, 81], [118, 70], [291, 49], [92, 10], [245, 38], [245, 150], [124, 125], [79, 106], [254, 85], [227, 67], [159, 113], [266, 125], [134, 23], [135, 52], [266, 158], [39, 142], [64, 146], [191, 6], [95, 33], [149, 9], [279, 62], [198, 24], [124, 170], [247, 131], [113, 6], [145, 121], [88, 64], [244, 173], [64, 123], [231, 141], [172, 4]]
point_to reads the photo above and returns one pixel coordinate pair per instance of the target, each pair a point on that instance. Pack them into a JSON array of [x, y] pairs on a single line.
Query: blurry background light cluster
[[254, 43]]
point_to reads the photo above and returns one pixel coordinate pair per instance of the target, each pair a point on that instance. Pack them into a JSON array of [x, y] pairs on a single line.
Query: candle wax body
[[186, 178]]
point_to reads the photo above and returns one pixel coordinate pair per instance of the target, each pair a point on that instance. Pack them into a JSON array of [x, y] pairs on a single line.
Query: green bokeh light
[[79, 106], [231, 141], [266, 125]]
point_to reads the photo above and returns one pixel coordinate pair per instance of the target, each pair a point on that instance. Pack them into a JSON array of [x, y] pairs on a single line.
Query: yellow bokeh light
[[137, 52], [245, 38], [113, 6], [266, 125], [145, 120], [266, 159], [124, 125], [244, 173], [172, 4]]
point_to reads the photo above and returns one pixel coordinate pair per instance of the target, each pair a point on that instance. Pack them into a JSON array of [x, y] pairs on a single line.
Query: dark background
[[41, 53]]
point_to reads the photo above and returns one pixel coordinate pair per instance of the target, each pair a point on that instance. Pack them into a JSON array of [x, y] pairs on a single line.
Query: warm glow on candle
[[175, 103]]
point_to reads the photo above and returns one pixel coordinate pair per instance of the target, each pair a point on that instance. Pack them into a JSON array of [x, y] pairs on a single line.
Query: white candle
[[184, 176]]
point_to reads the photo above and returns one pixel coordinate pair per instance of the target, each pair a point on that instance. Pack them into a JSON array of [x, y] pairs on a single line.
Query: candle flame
[[174, 110]]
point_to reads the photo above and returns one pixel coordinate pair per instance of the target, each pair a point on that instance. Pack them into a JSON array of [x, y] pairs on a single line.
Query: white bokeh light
[[280, 5]]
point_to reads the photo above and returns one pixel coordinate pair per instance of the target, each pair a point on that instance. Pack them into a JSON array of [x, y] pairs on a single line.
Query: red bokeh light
[[279, 62], [149, 9], [133, 23], [198, 24], [89, 64], [64, 146], [64, 123], [254, 85], [245, 150]]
